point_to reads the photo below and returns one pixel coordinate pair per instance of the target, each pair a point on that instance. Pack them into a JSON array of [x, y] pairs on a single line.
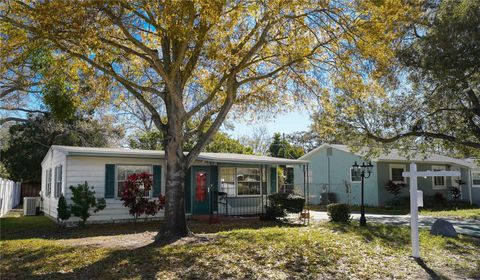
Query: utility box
[[419, 198]]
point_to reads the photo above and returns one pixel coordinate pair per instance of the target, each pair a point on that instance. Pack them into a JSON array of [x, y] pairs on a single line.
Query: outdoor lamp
[[364, 171]]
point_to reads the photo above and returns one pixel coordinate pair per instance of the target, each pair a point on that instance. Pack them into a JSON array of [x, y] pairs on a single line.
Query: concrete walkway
[[463, 226]]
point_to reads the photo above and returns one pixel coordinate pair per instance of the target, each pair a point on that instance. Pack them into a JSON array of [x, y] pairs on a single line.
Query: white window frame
[[48, 183], [350, 175], [397, 166], [234, 179], [58, 181], [473, 184], [262, 180], [150, 193], [439, 168]]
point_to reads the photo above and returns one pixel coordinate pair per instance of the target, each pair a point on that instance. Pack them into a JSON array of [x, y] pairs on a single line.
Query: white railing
[[9, 195]]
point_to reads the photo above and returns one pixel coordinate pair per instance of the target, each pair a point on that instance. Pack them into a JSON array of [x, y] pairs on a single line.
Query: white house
[[229, 184]]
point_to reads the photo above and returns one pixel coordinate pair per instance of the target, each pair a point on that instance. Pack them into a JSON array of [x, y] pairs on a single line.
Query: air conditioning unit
[[29, 206]]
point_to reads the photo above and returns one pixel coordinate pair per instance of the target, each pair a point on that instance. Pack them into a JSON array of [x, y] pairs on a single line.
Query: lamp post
[[364, 170]]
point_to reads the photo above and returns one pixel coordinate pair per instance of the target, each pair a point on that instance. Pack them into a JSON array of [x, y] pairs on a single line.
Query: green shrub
[[63, 210], [281, 203], [83, 199], [339, 212]]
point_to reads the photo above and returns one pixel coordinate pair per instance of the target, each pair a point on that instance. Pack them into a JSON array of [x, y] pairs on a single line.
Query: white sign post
[[414, 201]]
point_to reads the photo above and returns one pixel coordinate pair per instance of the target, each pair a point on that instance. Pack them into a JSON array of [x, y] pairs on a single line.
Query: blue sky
[[283, 123]]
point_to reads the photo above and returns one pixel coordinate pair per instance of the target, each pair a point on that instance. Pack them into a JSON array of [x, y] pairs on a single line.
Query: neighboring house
[[330, 170], [230, 184]]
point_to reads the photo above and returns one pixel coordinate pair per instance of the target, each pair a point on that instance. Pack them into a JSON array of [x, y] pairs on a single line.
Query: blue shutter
[[109, 180], [157, 180], [273, 180]]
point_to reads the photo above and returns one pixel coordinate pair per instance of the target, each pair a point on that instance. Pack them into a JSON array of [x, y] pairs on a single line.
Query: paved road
[[463, 226]]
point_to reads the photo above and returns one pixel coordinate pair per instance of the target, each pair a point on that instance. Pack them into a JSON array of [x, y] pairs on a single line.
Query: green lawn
[[468, 212], [247, 249]]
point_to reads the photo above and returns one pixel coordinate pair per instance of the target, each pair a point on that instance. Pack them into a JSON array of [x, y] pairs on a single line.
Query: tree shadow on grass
[[16, 228]]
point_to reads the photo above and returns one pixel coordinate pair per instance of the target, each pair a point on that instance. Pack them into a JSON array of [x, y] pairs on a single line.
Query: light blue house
[[330, 171]]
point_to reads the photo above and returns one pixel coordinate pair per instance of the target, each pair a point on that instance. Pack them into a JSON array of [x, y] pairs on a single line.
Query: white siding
[[52, 159], [92, 169]]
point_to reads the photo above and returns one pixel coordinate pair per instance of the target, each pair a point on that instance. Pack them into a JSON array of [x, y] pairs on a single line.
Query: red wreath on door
[[201, 190]]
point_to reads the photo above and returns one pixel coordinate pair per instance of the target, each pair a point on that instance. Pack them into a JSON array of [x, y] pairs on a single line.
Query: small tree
[[63, 210], [83, 199], [395, 189], [135, 195]]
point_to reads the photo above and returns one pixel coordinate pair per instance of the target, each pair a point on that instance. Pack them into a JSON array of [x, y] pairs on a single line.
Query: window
[[476, 179], [48, 186], [248, 181], [354, 178], [243, 181], [58, 181], [396, 171], [123, 171], [438, 181], [227, 180]]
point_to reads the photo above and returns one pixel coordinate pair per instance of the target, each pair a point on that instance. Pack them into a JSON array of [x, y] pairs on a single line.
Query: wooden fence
[[9, 195]]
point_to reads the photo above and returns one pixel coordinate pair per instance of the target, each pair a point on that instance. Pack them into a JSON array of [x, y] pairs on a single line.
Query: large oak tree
[[194, 61]]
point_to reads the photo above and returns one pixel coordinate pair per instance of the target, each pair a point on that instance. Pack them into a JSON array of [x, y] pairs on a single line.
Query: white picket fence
[[9, 195]]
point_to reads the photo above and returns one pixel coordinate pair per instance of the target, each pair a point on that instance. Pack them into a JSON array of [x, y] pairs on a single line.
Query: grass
[[246, 249], [464, 212]]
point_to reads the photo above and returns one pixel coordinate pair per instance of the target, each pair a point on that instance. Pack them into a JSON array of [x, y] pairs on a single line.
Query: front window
[[476, 179], [248, 181], [243, 181], [396, 173], [123, 171], [438, 181]]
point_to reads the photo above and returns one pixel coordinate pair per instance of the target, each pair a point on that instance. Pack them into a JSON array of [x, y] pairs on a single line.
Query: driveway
[[463, 226]]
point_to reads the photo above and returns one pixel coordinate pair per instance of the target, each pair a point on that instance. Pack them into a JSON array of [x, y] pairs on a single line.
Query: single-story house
[[330, 171], [222, 183]]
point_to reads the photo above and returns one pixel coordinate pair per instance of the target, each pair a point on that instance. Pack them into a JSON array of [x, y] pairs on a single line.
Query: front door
[[200, 194]]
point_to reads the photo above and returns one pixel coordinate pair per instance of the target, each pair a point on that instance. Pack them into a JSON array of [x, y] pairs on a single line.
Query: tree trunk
[[174, 225]]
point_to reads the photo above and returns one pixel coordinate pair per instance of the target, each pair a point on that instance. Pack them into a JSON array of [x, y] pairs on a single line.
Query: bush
[[339, 212], [63, 210], [135, 196], [281, 203], [83, 199]]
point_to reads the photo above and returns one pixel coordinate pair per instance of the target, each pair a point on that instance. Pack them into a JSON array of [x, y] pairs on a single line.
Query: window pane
[[248, 180], [397, 174], [476, 178], [354, 177], [123, 171], [227, 174], [120, 188], [248, 188]]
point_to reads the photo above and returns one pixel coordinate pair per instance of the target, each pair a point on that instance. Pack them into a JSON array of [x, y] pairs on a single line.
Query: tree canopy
[[280, 147], [27, 143], [436, 105]]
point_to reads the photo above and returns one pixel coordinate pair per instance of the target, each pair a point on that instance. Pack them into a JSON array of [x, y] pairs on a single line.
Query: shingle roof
[[394, 155], [213, 157]]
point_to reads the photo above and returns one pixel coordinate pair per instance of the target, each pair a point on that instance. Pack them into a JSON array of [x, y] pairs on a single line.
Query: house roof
[[395, 156], [212, 157]]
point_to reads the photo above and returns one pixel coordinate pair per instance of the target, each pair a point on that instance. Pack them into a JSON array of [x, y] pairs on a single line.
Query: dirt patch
[[122, 241], [133, 240]]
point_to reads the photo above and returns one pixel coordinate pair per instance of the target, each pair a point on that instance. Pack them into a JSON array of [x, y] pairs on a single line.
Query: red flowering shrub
[[135, 195]]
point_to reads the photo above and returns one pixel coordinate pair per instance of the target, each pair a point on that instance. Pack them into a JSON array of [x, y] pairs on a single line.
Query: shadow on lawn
[[15, 228], [141, 263]]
